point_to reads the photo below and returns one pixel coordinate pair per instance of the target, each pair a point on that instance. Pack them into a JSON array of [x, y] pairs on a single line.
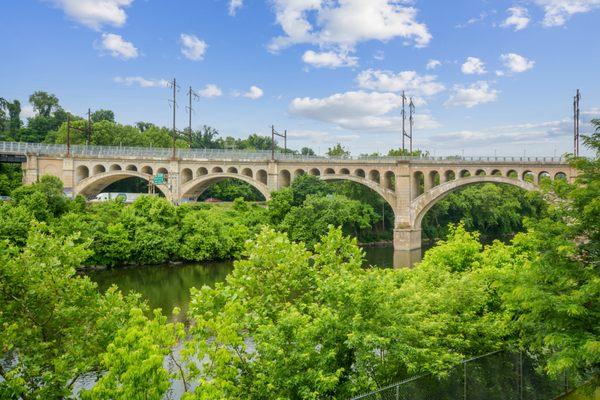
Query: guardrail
[[45, 149]]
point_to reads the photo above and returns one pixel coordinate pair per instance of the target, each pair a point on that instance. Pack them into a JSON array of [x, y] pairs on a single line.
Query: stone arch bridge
[[411, 186]]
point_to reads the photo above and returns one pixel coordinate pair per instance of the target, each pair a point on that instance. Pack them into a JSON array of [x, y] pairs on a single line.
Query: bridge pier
[[407, 247]]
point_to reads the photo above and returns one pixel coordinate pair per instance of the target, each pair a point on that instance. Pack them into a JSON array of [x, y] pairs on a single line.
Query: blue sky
[[488, 77]]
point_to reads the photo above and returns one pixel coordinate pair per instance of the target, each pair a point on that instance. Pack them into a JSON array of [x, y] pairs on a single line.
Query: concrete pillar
[[31, 170], [174, 182], [407, 247], [273, 176]]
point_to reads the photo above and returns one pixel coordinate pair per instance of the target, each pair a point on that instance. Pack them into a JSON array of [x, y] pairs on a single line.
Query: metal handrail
[[46, 149]]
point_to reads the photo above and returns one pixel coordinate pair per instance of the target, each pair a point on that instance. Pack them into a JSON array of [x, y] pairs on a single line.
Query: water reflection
[[164, 286]]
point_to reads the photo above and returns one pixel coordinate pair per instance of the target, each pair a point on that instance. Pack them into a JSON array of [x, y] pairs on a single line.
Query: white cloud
[[118, 47], [473, 65], [95, 13], [379, 55], [357, 111], [27, 112], [141, 82], [470, 96], [254, 93], [518, 18], [318, 137], [482, 16], [516, 63], [433, 64], [329, 59], [558, 11], [409, 81], [345, 23], [234, 5], [192, 47], [211, 90]]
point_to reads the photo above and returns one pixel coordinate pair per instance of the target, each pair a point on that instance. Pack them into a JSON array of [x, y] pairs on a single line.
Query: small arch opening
[[544, 175], [418, 183], [329, 171], [480, 172], [434, 178], [186, 175], [232, 170], [81, 173], [561, 176], [217, 170], [115, 167], [163, 171], [465, 173], [284, 178], [344, 171], [299, 172], [98, 169], [496, 172], [512, 174], [247, 172], [449, 175], [374, 176], [201, 171], [131, 167], [528, 176], [315, 172], [261, 176], [389, 180], [360, 172]]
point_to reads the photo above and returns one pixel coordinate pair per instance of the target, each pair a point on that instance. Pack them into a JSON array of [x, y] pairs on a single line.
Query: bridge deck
[[82, 151]]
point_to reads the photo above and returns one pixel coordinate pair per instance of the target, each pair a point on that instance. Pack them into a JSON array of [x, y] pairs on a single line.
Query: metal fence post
[[465, 379], [397, 392], [521, 374]]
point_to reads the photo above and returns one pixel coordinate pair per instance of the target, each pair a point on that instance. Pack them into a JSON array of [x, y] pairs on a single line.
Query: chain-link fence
[[495, 376]]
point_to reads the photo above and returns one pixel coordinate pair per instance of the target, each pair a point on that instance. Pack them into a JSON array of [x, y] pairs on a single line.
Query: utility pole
[[285, 141], [273, 134], [403, 121], [68, 135], [191, 94], [411, 107], [174, 101], [576, 100], [88, 138]]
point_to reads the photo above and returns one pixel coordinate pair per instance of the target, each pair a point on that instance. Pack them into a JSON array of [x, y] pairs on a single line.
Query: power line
[[273, 134], [403, 120], [411, 107]]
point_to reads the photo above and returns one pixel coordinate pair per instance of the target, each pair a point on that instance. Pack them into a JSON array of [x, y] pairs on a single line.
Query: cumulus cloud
[[211, 90], [254, 93], [95, 13], [516, 63], [409, 81], [192, 47], [472, 95], [329, 59], [556, 12], [118, 47], [141, 82], [473, 66], [234, 5], [318, 137], [357, 110], [345, 23], [433, 64], [518, 18]]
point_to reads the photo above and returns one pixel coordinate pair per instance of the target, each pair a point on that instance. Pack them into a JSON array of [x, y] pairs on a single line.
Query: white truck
[[127, 198]]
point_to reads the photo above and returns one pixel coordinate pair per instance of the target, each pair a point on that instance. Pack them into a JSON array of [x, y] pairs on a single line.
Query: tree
[[45, 198], [338, 151], [406, 153], [103, 115], [305, 185], [205, 138], [10, 119], [54, 322], [307, 151], [44, 104]]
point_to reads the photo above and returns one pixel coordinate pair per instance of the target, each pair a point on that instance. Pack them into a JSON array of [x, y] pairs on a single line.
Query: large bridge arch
[[387, 194], [425, 201], [93, 185], [201, 183]]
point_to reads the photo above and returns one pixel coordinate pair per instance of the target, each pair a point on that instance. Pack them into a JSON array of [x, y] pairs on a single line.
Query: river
[[168, 286]]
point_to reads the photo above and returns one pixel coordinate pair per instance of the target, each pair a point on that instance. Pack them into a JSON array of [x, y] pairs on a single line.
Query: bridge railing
[[45, 149]]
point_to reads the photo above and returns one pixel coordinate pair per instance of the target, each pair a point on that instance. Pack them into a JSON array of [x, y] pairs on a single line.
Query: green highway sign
[[159, 179]]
